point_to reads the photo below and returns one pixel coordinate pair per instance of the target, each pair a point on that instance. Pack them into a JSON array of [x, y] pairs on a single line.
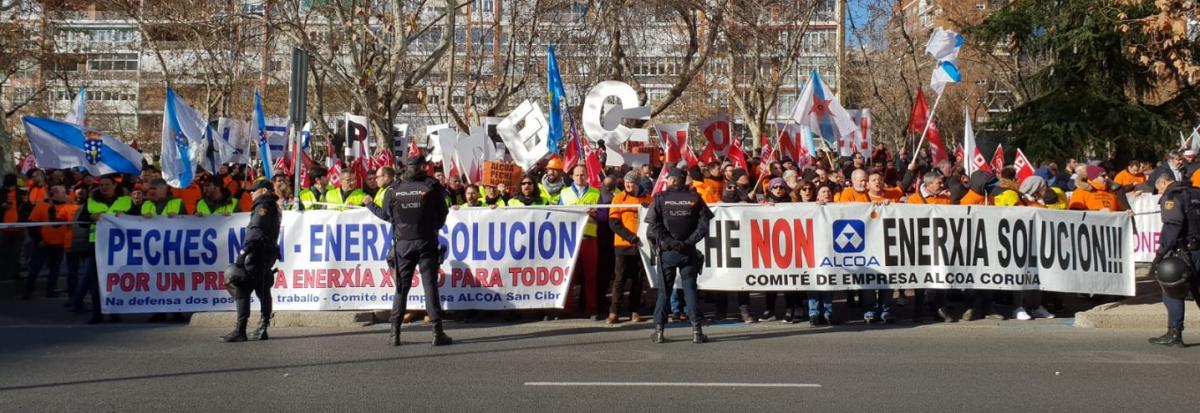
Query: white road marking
[[665, 384]]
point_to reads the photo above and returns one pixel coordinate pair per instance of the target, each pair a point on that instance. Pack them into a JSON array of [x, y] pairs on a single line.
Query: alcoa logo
[[849, 236]]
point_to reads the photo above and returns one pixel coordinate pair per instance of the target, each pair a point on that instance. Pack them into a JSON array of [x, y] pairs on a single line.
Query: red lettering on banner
[[281, 281], [128, 282], [170, 281], [775, 243], [212, 281], [389, 280]]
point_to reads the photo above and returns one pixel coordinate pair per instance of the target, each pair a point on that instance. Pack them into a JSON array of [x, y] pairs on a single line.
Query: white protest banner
[[1148, 223], [863, 246], [512, 258]]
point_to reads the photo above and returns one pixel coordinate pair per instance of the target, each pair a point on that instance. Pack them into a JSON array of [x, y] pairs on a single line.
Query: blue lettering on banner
[[519, 240], [159, 247], [236, 237], [351, 242]]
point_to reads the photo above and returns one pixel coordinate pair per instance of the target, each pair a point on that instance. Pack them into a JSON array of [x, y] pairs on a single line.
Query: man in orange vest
[[624, 224], [857, 192], [48, 242]]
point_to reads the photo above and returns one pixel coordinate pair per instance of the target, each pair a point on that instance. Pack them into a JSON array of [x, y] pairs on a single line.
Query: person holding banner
[[161, 202], [416, 206], [678, 219], [216, 200], [104, 200], [623, 222], [580, 193], [258, 258], [793, 311], [553, 182], [310, 195], [737, 190], [528, 194], [346, 193]]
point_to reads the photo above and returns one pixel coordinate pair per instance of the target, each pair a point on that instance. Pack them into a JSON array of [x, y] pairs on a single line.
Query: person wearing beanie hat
[[1095, 194], [677, 220], [628, 263], [981, 184]]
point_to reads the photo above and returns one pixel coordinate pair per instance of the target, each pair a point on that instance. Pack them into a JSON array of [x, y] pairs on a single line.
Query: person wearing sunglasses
[[779, 193], [527, 193]]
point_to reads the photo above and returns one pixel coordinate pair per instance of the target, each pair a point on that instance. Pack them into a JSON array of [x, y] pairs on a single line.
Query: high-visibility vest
[[334, 196], [173, 207], [204, 209], [591, 196], [308, 197], [379, 197], [551, 199], [122, 204]]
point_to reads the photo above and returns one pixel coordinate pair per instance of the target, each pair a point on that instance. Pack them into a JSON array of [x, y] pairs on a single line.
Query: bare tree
[[377, 52], [763, 42]]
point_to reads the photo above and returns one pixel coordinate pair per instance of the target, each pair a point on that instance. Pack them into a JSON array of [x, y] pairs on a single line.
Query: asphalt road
[[981, 366]]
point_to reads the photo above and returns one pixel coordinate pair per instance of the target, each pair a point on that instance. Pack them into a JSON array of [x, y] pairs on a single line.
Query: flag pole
[[928, 121]]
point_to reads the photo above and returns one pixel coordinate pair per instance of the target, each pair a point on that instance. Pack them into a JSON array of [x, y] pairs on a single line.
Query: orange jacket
[[65, 213], [972, 198], [709, 193], [628, 217], [850, 195], [1094, 200], [41, 212], [37, 193], [189, 196], [933, 200], [890, 194], [1125, 178]]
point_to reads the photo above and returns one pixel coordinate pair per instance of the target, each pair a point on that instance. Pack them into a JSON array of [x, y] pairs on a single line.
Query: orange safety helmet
[[555, 163]]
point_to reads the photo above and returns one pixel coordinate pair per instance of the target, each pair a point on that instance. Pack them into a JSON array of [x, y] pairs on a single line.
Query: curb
[[295, 318], [1145, 311]]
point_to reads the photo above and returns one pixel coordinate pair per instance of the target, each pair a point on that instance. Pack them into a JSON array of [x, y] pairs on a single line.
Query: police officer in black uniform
[[256, 261], [416, 206], [1178, 253], [678, 219]]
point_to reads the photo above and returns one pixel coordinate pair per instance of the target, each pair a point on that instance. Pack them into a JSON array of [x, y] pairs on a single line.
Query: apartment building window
[[113, 62], [99, 96]]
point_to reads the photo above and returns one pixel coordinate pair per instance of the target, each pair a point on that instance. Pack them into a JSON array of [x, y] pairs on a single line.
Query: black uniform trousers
[[410, 255]]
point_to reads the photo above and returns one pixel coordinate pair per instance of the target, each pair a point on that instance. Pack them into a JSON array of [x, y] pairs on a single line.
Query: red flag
[[571, 155], [1024, 168], [958, 154], [916, 124], [335, 173], [737, 156], [998, 158], [413, 150], [595, 170], [708, 156], [689, 156], [382, 159], [283, 165], [661, 184], [764, 167], [981, 163]]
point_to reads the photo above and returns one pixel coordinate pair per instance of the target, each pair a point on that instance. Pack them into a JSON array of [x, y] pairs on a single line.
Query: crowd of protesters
[[610, 277]]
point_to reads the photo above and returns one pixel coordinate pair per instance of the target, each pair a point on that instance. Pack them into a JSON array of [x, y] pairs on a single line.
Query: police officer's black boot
[[439, 337], [1173, 338], [261, 332], [698, 336], [394, 336], [658, 336], [238, 334], [243, 317]]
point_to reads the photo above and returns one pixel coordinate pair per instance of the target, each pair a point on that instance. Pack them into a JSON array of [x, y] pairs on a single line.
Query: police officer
[[678, 219], [416, 206], [1178, 253], [261, 251]]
